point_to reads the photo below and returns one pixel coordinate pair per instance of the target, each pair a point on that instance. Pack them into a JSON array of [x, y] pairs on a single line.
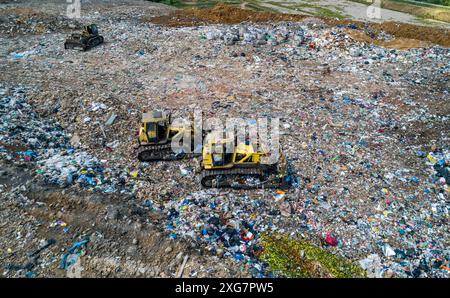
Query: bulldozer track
[[220, 178], [160, 153], [90, 43], [95, 41]]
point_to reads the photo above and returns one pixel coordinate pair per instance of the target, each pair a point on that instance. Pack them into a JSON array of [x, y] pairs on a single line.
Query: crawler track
[[76, 44], [238, 179], [160, 153]]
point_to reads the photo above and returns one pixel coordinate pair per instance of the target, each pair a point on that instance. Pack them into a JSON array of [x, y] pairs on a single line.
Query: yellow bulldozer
[[85, 40], [155, 137], [240, 168]]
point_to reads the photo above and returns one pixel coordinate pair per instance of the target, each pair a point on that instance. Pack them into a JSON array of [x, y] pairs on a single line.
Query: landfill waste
[[257, 36], [21, 21], [372, 265], [330, 240], [233, 14], [111, 119], [365, 128], [32, 259], [72, 255], [58, 162], [388, 251], [205, 218]]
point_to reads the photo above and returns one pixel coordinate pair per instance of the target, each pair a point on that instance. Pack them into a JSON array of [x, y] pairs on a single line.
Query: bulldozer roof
[[153, 116]]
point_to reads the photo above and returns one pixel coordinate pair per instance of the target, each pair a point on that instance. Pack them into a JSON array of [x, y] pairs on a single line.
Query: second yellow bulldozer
[[241, 168]]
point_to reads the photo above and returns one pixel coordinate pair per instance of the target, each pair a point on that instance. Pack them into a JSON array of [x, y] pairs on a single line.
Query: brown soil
[[431, 13], [435, 35], [220, 14], [398, 43], [409, 35], [84, 213]]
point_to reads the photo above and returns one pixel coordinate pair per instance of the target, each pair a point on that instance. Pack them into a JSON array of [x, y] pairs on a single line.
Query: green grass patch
[[256, 7], [288, 257], [422, 10], [176, 3], [328, 13], [196, 4], [423, 3]]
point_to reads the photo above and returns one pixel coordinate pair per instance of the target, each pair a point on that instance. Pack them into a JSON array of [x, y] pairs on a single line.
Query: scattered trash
[[388, 251], [70, 258], [59, 222], [330, 240], [369, 152], [134, 174], [32, 258], [180, 271], [57, 161], [111, 119], [22, 55], [279, 195]]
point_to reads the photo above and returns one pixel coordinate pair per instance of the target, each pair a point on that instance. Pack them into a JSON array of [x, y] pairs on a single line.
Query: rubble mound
[[431, 34], [221, 14], [411, 35], [20, 21]]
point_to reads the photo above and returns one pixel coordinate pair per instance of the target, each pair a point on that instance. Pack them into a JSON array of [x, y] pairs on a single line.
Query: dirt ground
[[122, 241]]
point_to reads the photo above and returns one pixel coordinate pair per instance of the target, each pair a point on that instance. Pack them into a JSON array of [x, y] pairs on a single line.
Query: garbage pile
[[26, 137], [331, 44], [26, 21], [226, 225], [293, 34], [258, 35]]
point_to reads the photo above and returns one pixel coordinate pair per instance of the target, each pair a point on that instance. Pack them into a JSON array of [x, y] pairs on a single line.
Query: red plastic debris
[[330, 240], [248, 236]]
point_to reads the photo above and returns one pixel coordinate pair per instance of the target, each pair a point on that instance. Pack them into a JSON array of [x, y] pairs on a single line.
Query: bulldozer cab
[[218, 154], [154, 128], [91, 29]]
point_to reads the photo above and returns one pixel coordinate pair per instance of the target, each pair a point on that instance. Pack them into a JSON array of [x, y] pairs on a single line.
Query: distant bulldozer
[[85, 40]]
